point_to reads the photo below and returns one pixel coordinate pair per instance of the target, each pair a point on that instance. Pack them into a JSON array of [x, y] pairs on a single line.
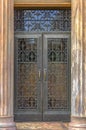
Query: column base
[[7, 123], [78, 123]]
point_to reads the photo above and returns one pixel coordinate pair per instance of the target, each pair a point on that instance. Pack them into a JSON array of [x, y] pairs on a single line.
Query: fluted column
[[78, 66], [6, 65]]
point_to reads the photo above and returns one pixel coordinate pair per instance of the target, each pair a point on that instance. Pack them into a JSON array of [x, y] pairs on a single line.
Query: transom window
[[42, 20]]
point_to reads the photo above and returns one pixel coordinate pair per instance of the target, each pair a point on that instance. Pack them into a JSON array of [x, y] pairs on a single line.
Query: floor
[[42, 126]]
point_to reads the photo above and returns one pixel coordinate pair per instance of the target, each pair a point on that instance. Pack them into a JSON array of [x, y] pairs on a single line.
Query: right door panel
[[56, 73]]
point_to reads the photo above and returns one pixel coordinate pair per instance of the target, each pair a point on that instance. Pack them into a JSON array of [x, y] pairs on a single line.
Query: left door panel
[[28, 78]]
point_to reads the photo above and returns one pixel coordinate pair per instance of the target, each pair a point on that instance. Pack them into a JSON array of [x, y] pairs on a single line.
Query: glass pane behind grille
[[42, 20], [27, 74], [57, 74]]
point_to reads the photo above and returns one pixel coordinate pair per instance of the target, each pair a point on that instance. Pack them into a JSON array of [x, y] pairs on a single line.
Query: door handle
[[45, 74], [39, 74]]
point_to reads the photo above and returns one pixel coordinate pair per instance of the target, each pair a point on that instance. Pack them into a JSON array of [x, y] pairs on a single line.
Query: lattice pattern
[[57, 74], [42, 20], [27, 74], [57, 50], [27, 50]]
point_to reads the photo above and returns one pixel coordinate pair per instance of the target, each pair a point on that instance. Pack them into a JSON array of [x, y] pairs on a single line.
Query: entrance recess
[[42, 80], [42, 52]]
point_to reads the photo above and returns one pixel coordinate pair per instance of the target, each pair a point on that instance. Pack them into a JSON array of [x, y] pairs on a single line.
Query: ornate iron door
[[42, 76], [28, 85], [42, 84], [56, 77]]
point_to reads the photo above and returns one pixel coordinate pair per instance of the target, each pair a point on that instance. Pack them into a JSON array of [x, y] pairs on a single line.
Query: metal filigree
[[27, 74], [42, 62], [42, 20], [57, 74]]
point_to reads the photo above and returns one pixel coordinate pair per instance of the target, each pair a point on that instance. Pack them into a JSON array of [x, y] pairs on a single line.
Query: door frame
[[47, 116], [56, 4], [78, 37]]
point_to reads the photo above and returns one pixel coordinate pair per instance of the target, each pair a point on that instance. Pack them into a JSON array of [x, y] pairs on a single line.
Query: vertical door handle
[[39, 74], [45, 74]]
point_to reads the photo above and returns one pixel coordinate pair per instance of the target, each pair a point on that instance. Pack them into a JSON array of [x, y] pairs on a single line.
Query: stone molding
[[6, 65], [78, 66]]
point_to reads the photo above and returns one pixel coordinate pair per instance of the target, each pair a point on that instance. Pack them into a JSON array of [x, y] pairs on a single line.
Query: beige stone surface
[[6, 65], [42, 126], [42, 3], [6, 58], [78, 66], [78, 72]]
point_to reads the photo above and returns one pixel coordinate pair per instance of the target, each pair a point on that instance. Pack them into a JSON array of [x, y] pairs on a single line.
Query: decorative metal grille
[[42, 20], [28, 59], [27, 74], [57, 74]]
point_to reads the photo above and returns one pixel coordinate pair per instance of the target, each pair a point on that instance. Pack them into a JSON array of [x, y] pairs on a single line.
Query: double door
[[42, 76]]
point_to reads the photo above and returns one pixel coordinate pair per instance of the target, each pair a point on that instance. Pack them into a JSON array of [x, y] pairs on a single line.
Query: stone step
[[42, 126]]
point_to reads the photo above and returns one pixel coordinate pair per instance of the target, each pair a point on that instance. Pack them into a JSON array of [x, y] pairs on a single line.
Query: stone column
[[78, 66], [6, 65]]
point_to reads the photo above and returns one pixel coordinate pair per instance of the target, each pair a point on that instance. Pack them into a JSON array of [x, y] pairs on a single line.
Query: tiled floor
[[42, 126]]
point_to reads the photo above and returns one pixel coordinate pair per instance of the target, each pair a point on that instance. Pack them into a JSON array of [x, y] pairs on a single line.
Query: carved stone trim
[[42, 3]]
